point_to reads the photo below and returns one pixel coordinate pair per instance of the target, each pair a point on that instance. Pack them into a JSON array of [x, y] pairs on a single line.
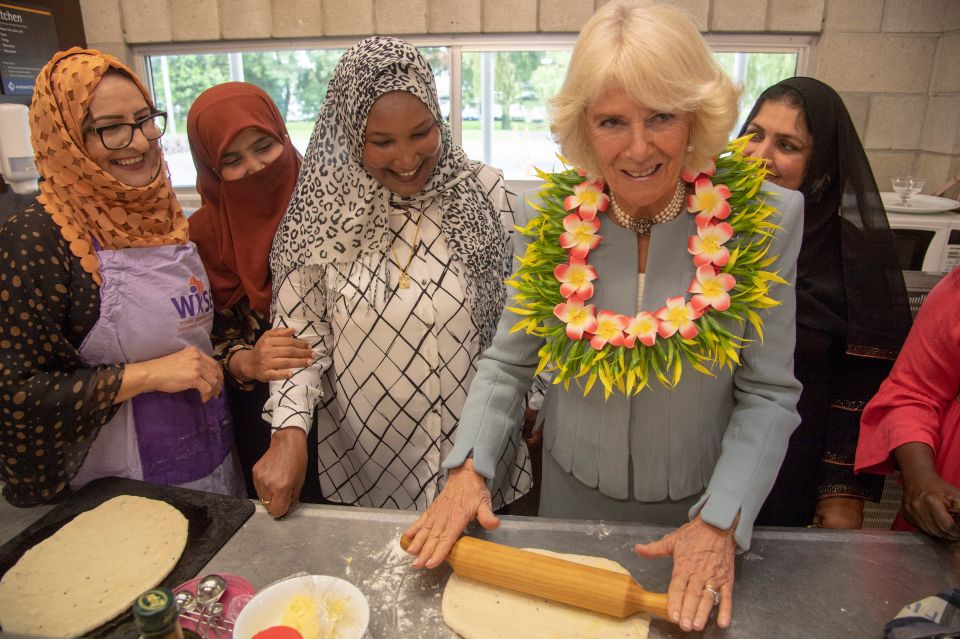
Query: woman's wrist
[[136, 380], [237, 364], [290, 435], [467, 471], [730, 531], [916, 461]]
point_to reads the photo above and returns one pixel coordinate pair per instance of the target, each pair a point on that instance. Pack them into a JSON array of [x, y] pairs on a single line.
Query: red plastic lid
[[278, 632]]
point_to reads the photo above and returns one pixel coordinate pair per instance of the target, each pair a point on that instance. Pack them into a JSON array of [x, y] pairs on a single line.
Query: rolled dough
[[475, 610], [92, 569]]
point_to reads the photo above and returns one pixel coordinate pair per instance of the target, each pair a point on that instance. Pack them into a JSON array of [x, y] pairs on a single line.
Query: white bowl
[[266, 609]]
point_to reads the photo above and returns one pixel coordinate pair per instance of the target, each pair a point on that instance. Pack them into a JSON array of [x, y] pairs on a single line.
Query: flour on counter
[[393, 554], [395, 590], [386, 586]]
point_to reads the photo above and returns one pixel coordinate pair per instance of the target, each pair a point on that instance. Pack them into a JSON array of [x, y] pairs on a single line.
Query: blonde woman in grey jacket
[[668, 405]]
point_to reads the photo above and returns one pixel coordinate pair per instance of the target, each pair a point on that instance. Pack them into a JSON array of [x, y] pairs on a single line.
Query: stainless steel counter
[[792, 583]]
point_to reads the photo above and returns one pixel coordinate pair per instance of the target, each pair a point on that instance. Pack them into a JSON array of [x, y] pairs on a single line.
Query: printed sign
[[28, 39]]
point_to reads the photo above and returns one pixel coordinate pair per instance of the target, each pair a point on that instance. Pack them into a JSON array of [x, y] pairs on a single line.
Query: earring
[[689, 148]]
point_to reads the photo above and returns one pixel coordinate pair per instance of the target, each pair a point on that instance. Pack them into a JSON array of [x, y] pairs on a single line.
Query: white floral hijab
[[339, 212]]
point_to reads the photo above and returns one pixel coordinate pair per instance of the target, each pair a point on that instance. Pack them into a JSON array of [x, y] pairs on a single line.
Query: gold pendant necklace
[[404, 280]]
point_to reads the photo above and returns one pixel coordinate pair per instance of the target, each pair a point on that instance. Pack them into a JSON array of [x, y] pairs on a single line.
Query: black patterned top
[[51, 405], [239, 326]]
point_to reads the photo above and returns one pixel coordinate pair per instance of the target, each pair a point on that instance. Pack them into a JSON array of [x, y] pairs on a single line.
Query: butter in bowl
[[316, 606]]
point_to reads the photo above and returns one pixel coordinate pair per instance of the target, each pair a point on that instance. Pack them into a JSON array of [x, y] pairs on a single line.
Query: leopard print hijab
[[84, 200], [339, 213]]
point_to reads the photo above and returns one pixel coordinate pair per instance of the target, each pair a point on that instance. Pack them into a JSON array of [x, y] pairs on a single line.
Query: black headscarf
[[849, 280]]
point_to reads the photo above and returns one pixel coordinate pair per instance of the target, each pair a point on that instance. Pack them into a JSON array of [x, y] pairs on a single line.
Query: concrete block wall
[[894, 61]]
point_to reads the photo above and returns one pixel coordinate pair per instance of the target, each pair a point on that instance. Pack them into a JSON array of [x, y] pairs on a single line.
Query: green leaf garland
[[631, 369]]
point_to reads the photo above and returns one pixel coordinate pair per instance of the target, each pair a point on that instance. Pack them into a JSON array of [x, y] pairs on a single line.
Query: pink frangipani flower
[[690, 176], [609, 330], [589, 197], [576, 279], [678, 317], [709, 200], [711, 289], [579, 319], [643, 327], [581, 236], [707, 246]]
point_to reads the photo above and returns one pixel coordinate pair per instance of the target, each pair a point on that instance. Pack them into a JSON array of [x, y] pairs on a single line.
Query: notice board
[[28, 39]]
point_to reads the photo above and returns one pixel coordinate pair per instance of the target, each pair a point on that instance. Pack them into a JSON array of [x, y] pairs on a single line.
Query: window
[[756, 66], [295, 79], [504, 107], [499, 85]]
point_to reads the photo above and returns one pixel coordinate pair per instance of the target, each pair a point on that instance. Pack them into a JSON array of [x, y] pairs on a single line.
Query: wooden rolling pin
[[604, 591]]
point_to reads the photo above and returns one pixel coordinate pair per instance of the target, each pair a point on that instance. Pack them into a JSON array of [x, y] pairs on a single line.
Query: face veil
[[235, 225]]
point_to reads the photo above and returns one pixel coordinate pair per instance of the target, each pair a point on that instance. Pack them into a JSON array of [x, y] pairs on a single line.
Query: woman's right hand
[[186, 369], [927, 498], [532, 435], [272, 357], [703, 558], [464, 498], [279, 475], [927, 502]]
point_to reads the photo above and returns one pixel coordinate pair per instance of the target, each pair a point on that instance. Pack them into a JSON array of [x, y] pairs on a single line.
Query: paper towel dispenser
[[16, 152]]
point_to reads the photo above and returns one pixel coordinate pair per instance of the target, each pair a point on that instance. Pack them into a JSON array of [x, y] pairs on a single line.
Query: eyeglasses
[[119, 136]]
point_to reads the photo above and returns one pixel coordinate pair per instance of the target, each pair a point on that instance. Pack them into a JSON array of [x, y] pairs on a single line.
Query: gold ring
[[713, 591], [265, 502]]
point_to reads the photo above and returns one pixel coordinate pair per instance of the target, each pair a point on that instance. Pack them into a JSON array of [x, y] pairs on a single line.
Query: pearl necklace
[[642, 225]]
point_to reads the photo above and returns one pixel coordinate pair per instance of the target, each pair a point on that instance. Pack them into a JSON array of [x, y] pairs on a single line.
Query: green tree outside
[[190, 75]]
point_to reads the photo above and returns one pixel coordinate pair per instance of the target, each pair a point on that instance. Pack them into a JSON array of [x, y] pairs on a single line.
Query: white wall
[[896, 62]]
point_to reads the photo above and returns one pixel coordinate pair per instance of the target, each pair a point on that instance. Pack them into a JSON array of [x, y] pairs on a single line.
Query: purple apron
[[156, 301]]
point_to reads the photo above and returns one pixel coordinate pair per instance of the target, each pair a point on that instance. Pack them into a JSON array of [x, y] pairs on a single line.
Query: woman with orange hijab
[[246, 170], [105, 354]]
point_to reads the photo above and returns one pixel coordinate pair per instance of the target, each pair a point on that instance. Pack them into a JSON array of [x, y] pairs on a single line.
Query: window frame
[[801, 45]]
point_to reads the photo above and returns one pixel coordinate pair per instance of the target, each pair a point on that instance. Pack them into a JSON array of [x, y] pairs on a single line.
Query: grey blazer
[[727, 434]]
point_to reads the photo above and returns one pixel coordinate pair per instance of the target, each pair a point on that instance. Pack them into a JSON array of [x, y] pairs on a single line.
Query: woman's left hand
[[275, 356], [839, 512], [702, 564]]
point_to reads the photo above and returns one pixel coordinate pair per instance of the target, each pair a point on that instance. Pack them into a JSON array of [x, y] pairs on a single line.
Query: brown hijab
[[235, 225], [84, 200]]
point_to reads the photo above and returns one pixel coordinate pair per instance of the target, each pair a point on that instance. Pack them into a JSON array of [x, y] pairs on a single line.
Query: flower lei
[[730, 252]]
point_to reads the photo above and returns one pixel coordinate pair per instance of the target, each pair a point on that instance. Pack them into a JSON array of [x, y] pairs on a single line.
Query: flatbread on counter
[[475, 610], [92, 569]]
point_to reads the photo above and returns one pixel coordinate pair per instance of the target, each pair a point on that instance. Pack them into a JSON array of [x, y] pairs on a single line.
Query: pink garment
[[919, 402]]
